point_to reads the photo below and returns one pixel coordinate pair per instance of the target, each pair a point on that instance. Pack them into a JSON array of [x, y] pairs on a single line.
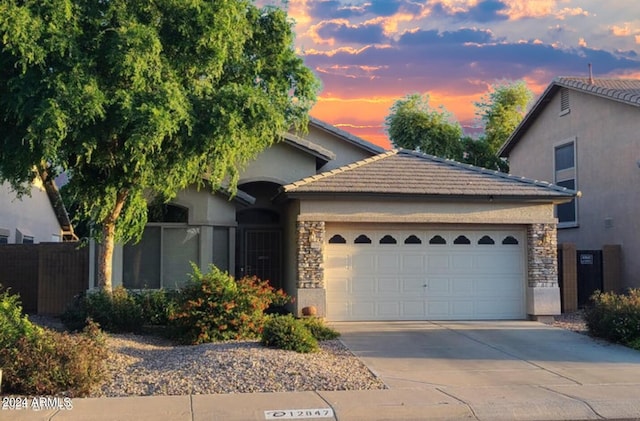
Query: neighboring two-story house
[[584, 134]]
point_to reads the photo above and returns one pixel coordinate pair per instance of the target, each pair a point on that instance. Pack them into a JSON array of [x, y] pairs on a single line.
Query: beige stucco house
[[584, 134], [35, 218], [365, 234]]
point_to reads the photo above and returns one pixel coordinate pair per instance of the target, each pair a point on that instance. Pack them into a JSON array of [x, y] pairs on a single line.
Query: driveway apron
[[502, 367], [418, 354]]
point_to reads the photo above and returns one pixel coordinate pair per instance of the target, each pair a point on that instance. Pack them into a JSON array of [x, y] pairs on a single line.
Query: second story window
[[565, 176]]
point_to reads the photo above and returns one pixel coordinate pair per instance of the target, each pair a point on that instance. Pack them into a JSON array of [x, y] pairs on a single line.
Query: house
[[583, 134], [34, 218], [365, 234]]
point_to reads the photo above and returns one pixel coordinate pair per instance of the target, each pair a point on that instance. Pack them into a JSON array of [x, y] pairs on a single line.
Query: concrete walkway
[[435, 371]]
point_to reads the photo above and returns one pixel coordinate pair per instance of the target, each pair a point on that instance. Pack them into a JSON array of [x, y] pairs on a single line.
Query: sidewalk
[[574, 402]]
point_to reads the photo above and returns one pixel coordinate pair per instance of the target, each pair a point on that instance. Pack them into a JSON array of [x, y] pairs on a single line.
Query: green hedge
[[615, 317]]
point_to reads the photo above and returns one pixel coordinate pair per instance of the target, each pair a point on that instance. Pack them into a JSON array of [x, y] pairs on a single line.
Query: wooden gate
[[47, 275]]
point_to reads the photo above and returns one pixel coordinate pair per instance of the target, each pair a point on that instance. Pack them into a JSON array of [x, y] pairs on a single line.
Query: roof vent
[[590, 74]]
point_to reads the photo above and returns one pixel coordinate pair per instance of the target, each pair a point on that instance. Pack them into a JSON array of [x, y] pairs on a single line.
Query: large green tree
[[414, 124], [501, 109], [137, 99]]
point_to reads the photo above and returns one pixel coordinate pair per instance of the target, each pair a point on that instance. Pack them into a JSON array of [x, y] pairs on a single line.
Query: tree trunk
[[105, 257]]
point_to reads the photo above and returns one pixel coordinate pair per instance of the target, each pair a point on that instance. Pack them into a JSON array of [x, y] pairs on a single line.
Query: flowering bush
[[215, 306], [615, 317]]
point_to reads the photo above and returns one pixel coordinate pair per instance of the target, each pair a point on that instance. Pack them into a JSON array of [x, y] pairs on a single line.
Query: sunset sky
[[370, 53]]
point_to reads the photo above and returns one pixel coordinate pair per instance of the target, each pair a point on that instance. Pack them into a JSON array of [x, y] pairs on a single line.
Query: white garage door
[[424, 274]]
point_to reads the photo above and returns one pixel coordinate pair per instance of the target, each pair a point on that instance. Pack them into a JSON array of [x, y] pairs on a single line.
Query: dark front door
[[589, 268], [263, 256]]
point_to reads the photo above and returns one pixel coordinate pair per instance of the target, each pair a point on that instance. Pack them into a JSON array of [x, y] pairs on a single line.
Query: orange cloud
[[519, 9], [582, 42], [297, 10], [576, 11], [620, 31], [637, 39]]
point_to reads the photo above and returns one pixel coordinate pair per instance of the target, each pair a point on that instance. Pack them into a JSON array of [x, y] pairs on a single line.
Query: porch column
[[543, 293], [310, 283]]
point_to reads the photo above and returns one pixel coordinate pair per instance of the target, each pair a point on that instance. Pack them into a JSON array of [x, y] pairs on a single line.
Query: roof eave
[[312, 149], [493, 198], [354, 140]]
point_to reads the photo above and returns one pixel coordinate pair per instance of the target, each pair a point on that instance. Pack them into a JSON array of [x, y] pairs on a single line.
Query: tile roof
[[626, 91], [309, 147], [410, 173]]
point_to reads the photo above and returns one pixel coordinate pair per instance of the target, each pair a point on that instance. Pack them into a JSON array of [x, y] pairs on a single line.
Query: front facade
[[365, 234], [583, 134]]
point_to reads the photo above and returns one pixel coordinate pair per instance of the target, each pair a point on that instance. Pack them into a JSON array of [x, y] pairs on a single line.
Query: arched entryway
[[259, 241]]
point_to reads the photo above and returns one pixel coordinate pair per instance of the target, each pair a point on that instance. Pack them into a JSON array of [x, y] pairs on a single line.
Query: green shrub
[[319, 330], [53, 363], [615, 317], [115, 312], [156, 305], [13, 323], [635, 344], [289, 333], [214, 306]]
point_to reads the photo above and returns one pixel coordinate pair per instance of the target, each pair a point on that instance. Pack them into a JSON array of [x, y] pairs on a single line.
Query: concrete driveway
[[488, 365]]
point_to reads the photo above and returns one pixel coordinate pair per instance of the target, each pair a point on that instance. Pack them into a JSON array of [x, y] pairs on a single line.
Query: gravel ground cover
[[572, 321], [144, 365]]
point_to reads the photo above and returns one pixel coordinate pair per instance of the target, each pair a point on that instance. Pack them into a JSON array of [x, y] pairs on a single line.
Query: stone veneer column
[[543, 294], [310, 283]]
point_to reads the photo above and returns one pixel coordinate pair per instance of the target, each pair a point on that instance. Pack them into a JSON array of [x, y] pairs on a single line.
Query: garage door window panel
[[461, 240], [337, 239], [437, 240], [412, 239], [486, 240], [388, 239], [509, 240], [362, 239]]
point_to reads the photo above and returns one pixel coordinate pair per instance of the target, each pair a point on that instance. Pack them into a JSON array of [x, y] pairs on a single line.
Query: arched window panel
[[510, 240], [412, 239], [167, 212], [461, 239], [388, 239], [486, 240], [436, 239], [362, 239], [337, 239]]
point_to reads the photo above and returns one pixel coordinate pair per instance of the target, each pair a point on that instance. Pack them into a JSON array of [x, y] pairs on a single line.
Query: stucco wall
[[206, 208], [32, 215], [607, 153], [281, 164], [346, 153], [425, 212]]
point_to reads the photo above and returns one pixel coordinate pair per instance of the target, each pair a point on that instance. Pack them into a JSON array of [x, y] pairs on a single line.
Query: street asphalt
[[507, 370]]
